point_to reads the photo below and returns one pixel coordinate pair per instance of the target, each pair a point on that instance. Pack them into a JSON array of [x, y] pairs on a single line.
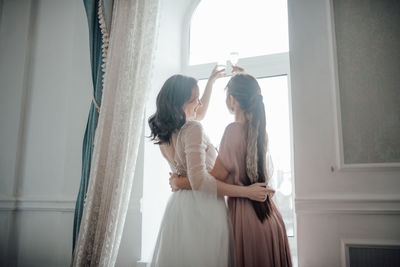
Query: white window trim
[[260, 66]]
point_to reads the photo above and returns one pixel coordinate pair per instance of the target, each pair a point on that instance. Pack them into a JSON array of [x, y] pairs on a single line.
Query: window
[[257, 31], [251, 28]]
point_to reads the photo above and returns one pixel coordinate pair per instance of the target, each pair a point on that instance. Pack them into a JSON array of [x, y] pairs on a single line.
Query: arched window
[[256, 32], [251, 28]]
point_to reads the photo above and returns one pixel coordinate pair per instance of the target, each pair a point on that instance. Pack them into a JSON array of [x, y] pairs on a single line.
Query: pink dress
[[256, 243]]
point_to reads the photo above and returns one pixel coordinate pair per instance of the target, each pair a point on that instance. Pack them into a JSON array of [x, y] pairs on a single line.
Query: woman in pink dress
[[259, 232]]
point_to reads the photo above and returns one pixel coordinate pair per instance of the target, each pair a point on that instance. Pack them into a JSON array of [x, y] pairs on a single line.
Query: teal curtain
[[96, 58]]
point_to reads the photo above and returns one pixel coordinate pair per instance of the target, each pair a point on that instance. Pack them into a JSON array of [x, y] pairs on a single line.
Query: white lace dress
[[195, 230]]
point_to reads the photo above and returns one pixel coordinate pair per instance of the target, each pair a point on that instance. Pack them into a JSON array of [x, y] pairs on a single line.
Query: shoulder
[[193, 129], [192, 125], [233, 142], [235, 129], [234, 135]]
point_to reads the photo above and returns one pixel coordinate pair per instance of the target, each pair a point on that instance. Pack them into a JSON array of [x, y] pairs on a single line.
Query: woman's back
[[190, 150], [232, 153], [256, 243], [195, 228]]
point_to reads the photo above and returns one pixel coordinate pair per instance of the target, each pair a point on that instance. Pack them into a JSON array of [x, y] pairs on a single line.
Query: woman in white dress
[[195, 230]]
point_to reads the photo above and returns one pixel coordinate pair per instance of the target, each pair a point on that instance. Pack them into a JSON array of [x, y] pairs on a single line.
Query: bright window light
[[251, 28]]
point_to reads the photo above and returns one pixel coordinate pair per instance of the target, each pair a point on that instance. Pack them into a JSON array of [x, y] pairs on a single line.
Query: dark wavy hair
[[170, 116], [246, 90]]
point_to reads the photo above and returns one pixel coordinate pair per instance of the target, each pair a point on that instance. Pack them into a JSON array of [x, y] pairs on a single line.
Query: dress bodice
[[191, 153]]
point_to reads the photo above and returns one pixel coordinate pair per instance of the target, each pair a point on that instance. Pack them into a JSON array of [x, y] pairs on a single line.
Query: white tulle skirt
[[195, 231]]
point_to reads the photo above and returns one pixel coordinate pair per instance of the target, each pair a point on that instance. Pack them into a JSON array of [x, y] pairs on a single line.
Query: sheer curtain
[[126, 81]]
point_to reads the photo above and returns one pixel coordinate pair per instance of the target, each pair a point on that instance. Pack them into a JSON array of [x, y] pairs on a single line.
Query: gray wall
[[44, 101], [368, 54], [334, 205]]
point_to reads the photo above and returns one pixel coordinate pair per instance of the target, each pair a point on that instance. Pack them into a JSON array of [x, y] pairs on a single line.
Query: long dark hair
[[170, 116], [246, 90]]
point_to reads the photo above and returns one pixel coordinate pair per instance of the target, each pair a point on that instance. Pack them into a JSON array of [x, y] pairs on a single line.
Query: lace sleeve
[[195, 151]]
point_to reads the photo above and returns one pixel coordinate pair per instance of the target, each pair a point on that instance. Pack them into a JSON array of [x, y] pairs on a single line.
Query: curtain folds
[[126, 83], [96, 11]]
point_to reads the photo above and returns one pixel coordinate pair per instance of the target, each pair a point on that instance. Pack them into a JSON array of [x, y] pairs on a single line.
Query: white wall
[[45, 97], [343, 204]]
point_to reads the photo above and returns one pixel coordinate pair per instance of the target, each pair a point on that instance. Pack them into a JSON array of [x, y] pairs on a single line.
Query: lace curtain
[[126, 81]]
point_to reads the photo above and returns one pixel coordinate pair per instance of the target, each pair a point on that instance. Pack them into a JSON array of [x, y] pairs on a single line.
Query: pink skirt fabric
[[258, 244]]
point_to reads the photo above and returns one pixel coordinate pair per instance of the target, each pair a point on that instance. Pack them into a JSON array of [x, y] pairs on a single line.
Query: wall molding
[[342, 166], [21, 204], [383, 205], [389, 166], [47, 205]]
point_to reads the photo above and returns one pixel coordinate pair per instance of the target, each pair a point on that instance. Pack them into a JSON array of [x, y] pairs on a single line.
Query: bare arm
[[219, 171], [255, 191], [205, 99]]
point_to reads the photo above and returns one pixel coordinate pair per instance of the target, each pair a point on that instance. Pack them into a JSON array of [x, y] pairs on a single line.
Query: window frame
[[260, 67], [264, 66]]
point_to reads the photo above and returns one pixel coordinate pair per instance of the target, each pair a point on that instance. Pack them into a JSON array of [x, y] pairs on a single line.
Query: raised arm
[[205, 99]]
